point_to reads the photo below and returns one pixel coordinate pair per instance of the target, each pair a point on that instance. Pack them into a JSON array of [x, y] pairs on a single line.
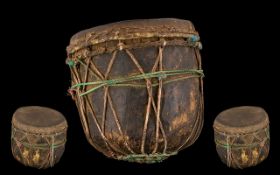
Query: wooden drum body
[[138, 87], [38, 136], [242, 136]]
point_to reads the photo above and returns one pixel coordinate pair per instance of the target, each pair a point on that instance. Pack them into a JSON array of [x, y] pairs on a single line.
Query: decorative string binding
[[147, 158], [80, 95], [51, 146], [121, 81], [231, 145]]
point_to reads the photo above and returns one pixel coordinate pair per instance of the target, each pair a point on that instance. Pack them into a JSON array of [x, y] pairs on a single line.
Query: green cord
[[147, 158], [241, 146], [236, 146], [41, 146], [70, 63], [120, 81]]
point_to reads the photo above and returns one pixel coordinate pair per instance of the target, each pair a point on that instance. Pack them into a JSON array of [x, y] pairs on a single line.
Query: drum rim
[[138, 28], [222, 128], [39, 129]]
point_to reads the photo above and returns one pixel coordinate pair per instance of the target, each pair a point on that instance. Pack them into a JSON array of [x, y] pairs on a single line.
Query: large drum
[[138, 87]]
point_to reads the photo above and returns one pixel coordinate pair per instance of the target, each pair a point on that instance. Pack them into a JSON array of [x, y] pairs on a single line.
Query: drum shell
[[34, 146], [252, 148], [242, 136], [181, 101]]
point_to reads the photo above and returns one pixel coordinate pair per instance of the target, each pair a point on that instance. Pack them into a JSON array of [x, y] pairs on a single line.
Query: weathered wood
[[145, 120], [242, 136], [38, 136]]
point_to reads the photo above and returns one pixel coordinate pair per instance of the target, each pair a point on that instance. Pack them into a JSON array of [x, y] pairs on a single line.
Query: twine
[[240, 146], [148, 158], [148, 80], [51, 147], [121, 81], [41, 146], [235, 146]]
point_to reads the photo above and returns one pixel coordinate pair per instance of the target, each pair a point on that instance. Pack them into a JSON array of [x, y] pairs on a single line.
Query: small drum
[[138, 87], [38, 136], [242, 136]]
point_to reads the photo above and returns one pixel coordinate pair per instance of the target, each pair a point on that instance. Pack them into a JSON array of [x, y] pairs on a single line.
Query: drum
[[38, 136], [138, 87], [242, 136]]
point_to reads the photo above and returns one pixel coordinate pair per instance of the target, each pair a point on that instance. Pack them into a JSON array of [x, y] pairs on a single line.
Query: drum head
[[241, 119], [131, 29], [34, 118]]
